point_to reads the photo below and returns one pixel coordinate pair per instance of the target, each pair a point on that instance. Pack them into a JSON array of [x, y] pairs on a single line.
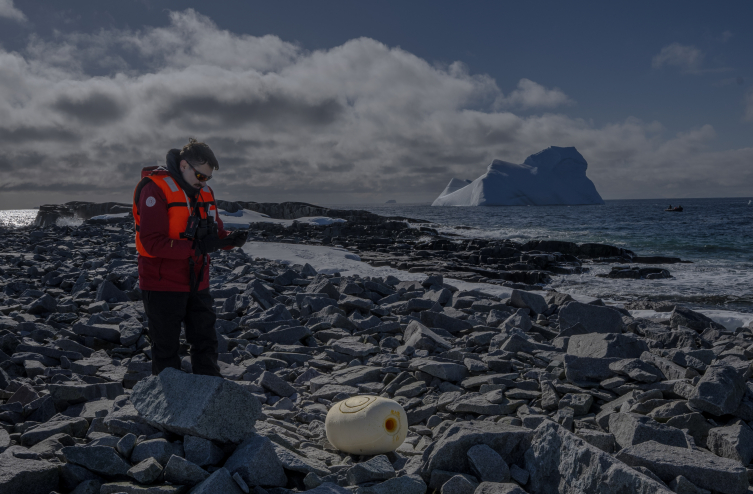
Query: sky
[[341, 102]]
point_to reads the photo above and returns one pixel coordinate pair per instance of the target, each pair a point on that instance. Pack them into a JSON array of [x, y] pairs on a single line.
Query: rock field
[[535, 393]]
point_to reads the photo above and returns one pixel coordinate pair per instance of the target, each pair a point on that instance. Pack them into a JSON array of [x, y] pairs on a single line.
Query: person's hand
[[237, 238], [210, 243]]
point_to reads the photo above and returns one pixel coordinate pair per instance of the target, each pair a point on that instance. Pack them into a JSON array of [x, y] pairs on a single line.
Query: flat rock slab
[[27, 476], [594, 318], [204, 406], [705, 470], [560, 462]]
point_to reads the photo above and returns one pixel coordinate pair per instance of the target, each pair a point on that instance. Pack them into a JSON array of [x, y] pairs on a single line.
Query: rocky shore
[[535, 392]]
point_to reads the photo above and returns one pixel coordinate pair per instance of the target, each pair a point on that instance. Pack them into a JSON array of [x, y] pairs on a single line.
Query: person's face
[[189, 173]]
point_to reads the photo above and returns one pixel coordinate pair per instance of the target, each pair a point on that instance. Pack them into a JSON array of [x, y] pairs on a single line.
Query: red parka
[[168, 269]]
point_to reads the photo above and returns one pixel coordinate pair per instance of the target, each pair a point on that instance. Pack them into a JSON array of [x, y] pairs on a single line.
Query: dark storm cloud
[[94, 108], [356, 122], [211, 110]]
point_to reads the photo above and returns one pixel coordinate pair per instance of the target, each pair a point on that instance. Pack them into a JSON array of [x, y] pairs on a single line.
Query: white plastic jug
[[366, 425]]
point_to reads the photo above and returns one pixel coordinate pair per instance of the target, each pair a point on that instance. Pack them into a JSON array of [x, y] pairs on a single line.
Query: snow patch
[[330, 260], [242, 218]]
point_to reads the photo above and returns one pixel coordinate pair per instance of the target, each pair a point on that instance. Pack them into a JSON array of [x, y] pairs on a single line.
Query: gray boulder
[[586, 370], [183, 472], [45, 303], [734, 442], [720, 390], [21, 476], [438, 320], [631, 428], [498, 488], [102, 460], [219, 481], [447, 371], [528, 300], [593, 318], [146, 471], [487, 465], [202, 452], [558, 461], [450, 451], [637, 369], [377, 468], [705, 470], [107, 292], [422, 338], [682, 316], [159, 449], [606, 345], [257, 463], [407, 484], [204, 406]]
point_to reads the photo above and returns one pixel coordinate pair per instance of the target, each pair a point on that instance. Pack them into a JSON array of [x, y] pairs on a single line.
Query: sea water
[[715, 234]]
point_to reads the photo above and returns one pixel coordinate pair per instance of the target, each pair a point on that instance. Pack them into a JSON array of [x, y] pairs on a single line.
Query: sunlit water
[[15, 218], [716, 234]]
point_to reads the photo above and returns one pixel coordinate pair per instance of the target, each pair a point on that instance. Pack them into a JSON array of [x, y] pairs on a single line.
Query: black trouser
[[166, 310]]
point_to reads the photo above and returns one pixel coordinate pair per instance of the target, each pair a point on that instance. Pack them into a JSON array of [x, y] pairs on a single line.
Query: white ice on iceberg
[[556, 175]]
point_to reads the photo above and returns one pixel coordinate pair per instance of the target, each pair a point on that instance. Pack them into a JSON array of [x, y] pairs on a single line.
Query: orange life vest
[[178, 205]]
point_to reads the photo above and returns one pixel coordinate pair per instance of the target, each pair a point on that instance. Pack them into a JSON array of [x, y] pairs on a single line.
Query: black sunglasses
[[200, 176]]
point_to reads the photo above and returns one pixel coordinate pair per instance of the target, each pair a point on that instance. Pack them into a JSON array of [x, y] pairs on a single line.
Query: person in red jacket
[[177, 227]]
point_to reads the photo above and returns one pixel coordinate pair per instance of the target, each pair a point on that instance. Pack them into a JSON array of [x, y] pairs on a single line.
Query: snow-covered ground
[[242, 218], [555, 175], [329, 260], [110, 216]]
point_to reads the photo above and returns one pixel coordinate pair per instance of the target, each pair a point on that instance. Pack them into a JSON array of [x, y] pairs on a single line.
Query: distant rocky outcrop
[[49, 213], [295, 210]]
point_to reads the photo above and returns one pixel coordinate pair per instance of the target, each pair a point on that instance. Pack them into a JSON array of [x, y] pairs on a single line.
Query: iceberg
[[554, 176]]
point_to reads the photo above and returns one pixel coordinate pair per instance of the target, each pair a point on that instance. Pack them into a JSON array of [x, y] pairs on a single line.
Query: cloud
[[82, 113], [533, 95], [687, 58], [9, 11]]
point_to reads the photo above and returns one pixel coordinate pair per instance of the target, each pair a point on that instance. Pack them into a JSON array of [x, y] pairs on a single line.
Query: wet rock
[[203, 406]]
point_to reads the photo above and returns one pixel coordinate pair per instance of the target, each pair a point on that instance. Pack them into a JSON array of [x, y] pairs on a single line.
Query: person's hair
[[198, 153]]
